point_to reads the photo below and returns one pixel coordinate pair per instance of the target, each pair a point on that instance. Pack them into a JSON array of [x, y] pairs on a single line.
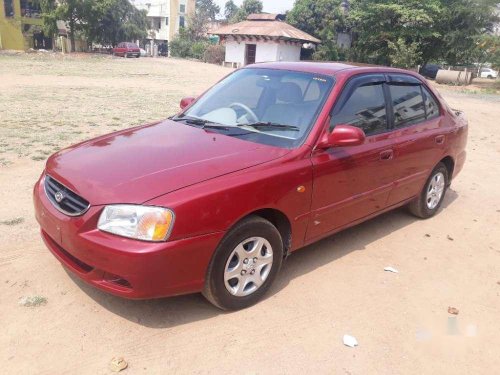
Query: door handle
[[386, 155], [439, 139]]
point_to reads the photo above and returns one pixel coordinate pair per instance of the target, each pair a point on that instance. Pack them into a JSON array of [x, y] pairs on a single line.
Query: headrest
[[290, 92]]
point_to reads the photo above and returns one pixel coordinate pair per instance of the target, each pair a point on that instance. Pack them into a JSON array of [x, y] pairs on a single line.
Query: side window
[[431, 107], [364, 109], [408, 105]]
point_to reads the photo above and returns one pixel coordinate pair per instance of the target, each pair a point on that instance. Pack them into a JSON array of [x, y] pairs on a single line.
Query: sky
[[270, 6]]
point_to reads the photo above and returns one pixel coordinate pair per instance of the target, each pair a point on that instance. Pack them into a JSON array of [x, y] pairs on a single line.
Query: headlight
[[145, 223]]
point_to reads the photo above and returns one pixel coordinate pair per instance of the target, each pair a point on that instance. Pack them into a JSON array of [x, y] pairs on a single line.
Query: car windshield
[[276, 107]]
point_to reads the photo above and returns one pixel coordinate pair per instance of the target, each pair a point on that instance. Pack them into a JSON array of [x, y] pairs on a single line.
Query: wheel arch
[[449, 163], [280, 221]]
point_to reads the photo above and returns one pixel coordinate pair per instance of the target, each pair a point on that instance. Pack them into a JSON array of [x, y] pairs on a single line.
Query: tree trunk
[[72, 33]]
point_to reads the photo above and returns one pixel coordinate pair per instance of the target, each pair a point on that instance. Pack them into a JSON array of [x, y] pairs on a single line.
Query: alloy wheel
[[435, 190], [248, 266]]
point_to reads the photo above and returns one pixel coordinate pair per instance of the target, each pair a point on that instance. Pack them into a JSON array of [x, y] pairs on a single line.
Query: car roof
[[327, 68]]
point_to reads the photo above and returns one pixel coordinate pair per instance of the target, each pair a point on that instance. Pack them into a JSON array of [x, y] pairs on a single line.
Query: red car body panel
[[212, 181], [108, 171]]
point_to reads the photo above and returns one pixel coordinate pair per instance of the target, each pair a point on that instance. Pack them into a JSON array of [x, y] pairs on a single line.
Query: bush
[[198, 49], [180, 47], [215, 54]]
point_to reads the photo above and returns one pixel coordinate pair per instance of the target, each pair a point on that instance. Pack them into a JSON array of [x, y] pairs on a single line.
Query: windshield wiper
[[201, 123], [271, 125]]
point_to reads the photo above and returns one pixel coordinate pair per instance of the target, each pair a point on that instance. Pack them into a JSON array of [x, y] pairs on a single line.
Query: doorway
[[250, 52]]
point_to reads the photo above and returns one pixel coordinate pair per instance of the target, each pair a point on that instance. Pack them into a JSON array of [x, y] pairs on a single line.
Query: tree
[[378, 23], [404, 55], [487, 51], [230, 10], [48, 8], [437, 29], [320, 18], [208, 8], [102, 21], [66, 10], [248, 7], [112, 21], [461, 23]]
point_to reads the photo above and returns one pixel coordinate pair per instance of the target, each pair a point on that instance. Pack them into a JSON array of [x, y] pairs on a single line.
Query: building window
[[9, 8], [30, 8], [156, 23], [182, 22], [166, 21], [182, 8]]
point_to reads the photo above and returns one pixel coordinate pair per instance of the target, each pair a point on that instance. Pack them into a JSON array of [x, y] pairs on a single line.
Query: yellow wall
[[11, 34], [174, 16]]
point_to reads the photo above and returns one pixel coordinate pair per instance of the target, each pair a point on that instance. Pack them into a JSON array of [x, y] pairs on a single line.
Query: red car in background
[[272, 158], [126, 49]]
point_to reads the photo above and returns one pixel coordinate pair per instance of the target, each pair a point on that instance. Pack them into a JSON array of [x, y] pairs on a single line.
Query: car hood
[[139, 164]]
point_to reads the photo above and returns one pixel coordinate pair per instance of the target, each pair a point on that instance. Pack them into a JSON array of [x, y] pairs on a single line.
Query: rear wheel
[[244, 265], [431, 197]]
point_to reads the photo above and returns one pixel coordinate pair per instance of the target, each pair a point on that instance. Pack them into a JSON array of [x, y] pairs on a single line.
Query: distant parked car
[[430, 70], [126, 49], [488, 73]]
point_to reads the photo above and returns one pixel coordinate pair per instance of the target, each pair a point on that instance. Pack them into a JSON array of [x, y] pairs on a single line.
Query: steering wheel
[[246, 109]]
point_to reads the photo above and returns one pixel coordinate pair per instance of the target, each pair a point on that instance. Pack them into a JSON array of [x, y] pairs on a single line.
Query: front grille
[[64, 199]]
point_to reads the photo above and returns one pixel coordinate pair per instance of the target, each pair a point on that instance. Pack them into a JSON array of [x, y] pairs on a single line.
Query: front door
[[351, 183], [250, 52]]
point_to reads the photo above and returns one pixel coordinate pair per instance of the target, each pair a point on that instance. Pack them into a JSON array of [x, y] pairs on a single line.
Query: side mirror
[[186, 102], [342, 136]]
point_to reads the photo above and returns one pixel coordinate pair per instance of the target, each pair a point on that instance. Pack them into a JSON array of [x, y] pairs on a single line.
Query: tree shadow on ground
[[175, 311]]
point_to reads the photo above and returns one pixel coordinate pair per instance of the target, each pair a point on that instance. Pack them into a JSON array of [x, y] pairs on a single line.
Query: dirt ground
[[335, 287]]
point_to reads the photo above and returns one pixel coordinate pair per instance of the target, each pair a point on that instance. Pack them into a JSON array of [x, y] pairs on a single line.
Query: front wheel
[[244, 265], [431, 197]]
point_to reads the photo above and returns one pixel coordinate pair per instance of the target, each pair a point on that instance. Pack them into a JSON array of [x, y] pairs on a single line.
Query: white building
[[262, 37], [165, 17]]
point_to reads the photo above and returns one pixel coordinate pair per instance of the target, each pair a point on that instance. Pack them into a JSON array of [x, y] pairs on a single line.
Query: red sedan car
[[272, 158], [126, 49]]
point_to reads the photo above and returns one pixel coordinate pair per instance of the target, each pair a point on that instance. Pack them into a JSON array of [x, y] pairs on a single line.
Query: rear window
[[408, 105], [431, 106], [132, 45]]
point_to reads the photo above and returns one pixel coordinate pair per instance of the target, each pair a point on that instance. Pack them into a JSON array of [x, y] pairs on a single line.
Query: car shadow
[[175, 311]]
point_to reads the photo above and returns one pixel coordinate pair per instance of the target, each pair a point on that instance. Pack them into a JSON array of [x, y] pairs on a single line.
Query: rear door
[[351, 183], [417, 132]]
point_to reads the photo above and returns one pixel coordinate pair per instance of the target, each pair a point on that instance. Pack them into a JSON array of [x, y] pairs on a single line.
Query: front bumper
[[121, 266]]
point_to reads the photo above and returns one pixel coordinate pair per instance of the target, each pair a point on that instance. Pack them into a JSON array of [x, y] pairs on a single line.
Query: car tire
[[138, 56], [490, 77], [240, 259], [432, 195]]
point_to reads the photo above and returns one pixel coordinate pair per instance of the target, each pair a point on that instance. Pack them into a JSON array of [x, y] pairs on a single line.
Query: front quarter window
[[269, 106]]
